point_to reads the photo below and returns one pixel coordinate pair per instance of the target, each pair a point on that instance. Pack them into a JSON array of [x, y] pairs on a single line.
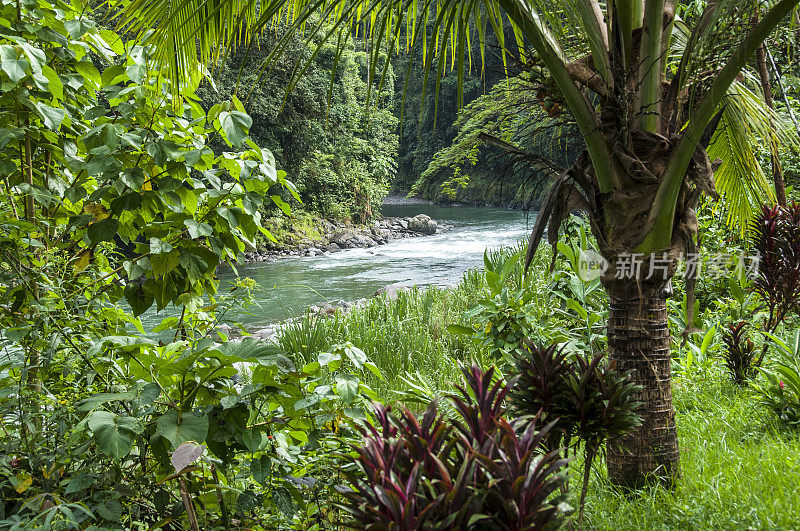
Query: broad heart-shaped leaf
[[283, 500], [165, 262], [235, 126], [346, 387], [186, 454], [110, 510], [51, 116], [81, 481], [103, 230], [356, 355], [13, 63], [260, 468], [252, 439], [158, 246], [180, 429], [113, 434], [139, 298], [198, 228]]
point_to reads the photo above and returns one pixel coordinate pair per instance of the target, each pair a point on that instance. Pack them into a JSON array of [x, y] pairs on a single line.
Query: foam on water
[[351, 274]]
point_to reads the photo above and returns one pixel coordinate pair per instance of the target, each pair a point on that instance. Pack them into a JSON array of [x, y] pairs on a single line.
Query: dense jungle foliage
[[341, 156], [485, 405]]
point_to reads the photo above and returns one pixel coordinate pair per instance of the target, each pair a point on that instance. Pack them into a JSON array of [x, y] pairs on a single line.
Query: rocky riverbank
[[335, 236]]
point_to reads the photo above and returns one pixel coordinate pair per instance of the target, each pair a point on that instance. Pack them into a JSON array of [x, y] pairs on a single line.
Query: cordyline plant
[[776, 241], [647, 90], [585, 398], [739, 353], [479, 471]]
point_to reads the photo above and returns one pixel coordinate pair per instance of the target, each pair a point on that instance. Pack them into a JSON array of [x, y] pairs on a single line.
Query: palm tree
[[647, 91]]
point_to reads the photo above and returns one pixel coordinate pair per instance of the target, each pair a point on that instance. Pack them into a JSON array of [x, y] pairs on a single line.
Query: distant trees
[[340, 155]]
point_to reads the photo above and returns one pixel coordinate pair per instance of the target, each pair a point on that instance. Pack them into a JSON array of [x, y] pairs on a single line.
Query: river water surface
[[289, 285]]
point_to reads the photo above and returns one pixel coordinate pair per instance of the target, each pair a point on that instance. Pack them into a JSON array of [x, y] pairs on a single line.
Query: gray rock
[[392, 290], [381, 235], [332, 247], [423, 224], [351, 238]]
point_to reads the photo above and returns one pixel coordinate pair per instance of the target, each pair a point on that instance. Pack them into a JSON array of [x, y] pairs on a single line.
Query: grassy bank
[[740, 469]]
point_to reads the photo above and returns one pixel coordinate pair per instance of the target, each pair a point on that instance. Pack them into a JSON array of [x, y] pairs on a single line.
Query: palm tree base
[[639, 342]]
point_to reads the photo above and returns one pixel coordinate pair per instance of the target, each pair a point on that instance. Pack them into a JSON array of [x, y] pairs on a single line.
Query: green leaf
[[260, 468], [165, 262], [89, 73], [346, 387], [247, 501], [54, 83], [158, 246], [460, 329], [356, 355], [99, 399], [7, 135], [373, 369], [13, 64], [283, 500], [139, 298], [103, 230], [81, 481], [252, 440], [110, 510], [235, 126], [113, 75], [184, 428], [198, 228], [113, 434], [51, 116], [324, 358]]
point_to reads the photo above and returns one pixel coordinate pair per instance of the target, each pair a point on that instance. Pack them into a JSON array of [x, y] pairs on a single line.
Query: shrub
[[776, 240], [739, 353], [586, 400], [477, 471], [781, 391]]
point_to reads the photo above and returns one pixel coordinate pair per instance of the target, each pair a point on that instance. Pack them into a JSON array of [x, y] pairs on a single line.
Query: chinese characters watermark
[[592, 265]]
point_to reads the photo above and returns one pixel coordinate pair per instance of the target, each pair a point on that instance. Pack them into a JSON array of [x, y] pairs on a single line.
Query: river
[[289, 285]]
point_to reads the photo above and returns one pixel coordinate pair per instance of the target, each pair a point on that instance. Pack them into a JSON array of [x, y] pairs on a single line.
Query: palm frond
[[746, 122]]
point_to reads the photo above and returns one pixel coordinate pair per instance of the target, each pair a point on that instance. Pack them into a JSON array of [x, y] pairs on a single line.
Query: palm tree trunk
[[639, 341]]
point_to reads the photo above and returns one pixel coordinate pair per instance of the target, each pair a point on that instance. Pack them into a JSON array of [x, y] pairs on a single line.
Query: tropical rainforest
[[602, 332]]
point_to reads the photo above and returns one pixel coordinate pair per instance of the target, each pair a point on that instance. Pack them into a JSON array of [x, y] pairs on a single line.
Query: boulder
[[391, 290], [381, 235], [423, 224], [350, 238]]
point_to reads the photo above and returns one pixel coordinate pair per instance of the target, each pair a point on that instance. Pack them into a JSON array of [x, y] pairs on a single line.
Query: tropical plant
[[586, 399], [476, 471], [780, 390], [739, 353], [648, 91], [776, 240]]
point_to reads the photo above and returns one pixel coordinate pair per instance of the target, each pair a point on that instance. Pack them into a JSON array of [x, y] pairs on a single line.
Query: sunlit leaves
[[13, 63], [235, 126]]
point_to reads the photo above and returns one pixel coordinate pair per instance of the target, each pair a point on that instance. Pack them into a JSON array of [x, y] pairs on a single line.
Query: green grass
[[403, 335], [739, 469]]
